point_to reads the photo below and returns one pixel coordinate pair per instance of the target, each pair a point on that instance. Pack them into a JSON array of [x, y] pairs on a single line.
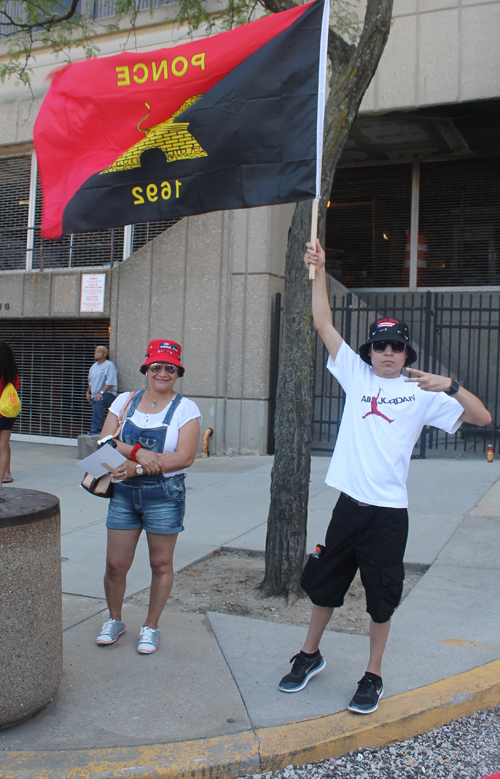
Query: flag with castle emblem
[[230, 121]]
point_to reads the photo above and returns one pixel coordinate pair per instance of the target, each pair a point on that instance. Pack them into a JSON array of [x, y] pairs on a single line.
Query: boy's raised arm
[[322, 314]]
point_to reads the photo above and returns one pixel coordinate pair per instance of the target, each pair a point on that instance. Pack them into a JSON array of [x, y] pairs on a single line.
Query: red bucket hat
[[161, 350]]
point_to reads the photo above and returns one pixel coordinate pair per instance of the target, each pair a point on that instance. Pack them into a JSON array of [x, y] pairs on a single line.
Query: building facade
[[415, 206]]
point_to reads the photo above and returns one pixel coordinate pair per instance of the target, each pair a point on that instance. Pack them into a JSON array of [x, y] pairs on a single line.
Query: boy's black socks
[[373, 677], [309, 657]]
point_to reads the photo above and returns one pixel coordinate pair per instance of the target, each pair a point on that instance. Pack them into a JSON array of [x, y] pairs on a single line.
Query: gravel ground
[[465, 749]]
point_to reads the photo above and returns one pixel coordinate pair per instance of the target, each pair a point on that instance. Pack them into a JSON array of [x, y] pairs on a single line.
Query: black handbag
[[101, 487]]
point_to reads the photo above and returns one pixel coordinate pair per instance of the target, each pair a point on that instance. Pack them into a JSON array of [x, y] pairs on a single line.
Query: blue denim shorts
[[154, 503]]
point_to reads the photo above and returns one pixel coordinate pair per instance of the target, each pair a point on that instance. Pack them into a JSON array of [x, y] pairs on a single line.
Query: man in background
[[102, 387]]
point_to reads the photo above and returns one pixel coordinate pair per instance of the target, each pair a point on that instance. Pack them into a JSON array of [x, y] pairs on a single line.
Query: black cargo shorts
[[371, 538]]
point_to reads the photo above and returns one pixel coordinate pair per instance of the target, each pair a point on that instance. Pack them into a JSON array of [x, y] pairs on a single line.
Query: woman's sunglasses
[[396, 346], [157, 366]]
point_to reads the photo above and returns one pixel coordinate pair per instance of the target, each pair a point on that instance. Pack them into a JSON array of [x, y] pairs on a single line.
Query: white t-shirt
[[185, 411], [381, 423]]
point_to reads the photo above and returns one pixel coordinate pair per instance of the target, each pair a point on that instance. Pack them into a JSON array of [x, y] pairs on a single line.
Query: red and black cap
[[388, 329], [161, 350]]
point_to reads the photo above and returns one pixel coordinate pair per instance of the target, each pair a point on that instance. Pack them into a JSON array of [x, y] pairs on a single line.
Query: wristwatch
[[139, 469], [455, 386], [109, 439]]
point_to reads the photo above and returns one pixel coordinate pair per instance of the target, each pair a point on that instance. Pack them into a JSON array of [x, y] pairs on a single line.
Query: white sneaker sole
[[107, 643], [306, 681], [149, 651], [367, 711]]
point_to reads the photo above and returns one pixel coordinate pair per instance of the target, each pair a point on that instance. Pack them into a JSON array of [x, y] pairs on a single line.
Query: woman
[[9, 374], [159, 437]]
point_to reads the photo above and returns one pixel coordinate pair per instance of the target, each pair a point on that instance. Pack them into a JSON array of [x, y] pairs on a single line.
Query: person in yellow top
[[9, 374]]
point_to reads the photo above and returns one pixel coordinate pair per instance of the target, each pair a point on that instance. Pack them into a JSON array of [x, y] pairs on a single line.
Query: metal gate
[[455, 334], [54, 357]]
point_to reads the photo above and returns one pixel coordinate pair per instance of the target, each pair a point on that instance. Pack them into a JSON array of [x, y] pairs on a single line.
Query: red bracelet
[[135, 449]]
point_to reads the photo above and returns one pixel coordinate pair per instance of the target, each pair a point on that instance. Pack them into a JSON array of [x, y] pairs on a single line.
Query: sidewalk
[[207, 702]]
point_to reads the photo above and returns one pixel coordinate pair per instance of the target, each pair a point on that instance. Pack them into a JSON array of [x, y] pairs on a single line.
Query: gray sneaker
[[110, 631], [149, 640]]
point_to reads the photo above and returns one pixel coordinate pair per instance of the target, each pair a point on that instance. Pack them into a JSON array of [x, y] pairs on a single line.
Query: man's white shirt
[[380, 426]]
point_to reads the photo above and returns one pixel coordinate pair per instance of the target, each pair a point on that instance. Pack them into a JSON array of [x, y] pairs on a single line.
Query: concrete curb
[[267, 749]]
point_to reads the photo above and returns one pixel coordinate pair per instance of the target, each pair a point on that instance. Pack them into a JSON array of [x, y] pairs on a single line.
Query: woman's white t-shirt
[[380, 425], [185, 412]]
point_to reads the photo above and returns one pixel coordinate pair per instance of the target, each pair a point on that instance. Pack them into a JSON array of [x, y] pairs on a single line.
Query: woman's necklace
[[154, 401]]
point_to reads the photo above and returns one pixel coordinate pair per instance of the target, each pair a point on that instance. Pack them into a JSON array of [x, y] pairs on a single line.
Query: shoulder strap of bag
[[171, 409], [121, 418], [132, 404]]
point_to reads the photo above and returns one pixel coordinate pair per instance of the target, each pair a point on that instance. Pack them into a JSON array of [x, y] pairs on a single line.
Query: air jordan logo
[[374, 410]]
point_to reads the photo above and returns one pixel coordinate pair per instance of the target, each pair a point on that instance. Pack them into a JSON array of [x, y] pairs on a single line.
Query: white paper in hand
[[93, 464]]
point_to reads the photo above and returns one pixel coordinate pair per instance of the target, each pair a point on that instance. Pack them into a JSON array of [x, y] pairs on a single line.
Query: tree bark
[[352, 70]]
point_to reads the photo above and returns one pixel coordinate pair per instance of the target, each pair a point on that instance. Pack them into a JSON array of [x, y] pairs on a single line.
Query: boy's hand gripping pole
[[314, 234]]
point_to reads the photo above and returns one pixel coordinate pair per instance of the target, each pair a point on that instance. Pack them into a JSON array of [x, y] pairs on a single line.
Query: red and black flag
[[231, 121]]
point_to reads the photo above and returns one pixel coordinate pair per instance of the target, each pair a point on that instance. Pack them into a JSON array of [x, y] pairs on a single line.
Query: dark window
[[54, 357], [368, 226], [100, 248], [460, 220]]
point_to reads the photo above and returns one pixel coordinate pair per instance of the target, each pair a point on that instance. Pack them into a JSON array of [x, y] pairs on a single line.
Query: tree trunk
[[352, 71]]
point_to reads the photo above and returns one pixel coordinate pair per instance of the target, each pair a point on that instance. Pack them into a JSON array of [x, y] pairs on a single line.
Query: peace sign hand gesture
[[430, 382]]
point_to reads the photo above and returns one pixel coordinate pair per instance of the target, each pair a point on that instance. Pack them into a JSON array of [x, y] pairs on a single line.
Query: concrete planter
[[30, 603]]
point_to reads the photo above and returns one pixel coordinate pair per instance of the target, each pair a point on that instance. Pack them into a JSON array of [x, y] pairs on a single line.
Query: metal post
[[30, 233], [348, 318], [415, 197], [127, 241], [427, 358], [112, 249]]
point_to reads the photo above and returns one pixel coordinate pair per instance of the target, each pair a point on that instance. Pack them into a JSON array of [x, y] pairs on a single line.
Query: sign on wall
[[92, 292]]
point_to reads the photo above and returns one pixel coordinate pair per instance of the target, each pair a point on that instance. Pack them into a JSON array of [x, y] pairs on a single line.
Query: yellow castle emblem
[[172, 138]]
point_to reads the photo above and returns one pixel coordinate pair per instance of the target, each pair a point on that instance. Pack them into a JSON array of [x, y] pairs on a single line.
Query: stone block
[[11, 295], [236, 334], [280, 220], [259, 223], [396, 74], [480, 52], [257, 338], [169, 282], [87, 445], [132, 320], [8, 123], [30, 603], [404, 7], [37, 289], [238, 227], [28, 112], [438, 56], [65, 297], [204, 319], [246, 427]]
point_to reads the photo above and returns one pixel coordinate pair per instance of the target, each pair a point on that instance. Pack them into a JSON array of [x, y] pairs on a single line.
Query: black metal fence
[[455, 334]]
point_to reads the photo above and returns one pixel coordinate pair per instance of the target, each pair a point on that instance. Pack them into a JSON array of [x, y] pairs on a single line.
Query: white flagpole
[[320, 122]]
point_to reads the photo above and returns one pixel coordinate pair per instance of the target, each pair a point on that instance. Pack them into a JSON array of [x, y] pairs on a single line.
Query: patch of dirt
[[227, 582]]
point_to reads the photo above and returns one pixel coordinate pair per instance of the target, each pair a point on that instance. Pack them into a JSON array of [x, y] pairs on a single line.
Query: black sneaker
[[369, 692], [303, 669]]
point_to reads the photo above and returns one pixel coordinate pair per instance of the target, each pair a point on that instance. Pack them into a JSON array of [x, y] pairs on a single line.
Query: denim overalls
[[140, 499]]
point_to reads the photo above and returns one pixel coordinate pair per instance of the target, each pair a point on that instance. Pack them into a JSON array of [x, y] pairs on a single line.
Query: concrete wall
[[52, 293], [209, 283], [439, 51]]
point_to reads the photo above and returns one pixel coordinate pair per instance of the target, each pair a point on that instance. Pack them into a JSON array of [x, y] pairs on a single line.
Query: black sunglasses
[[396, 346]]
